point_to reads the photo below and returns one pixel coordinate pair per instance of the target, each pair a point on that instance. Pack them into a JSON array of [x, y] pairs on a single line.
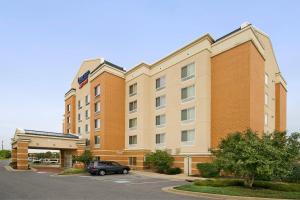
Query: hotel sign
[[82, 80]]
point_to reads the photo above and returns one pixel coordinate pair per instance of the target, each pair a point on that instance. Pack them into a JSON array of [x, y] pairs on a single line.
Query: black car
[[107, 167]]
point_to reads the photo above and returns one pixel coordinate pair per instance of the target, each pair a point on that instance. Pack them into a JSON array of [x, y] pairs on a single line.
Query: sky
[[43, 43]]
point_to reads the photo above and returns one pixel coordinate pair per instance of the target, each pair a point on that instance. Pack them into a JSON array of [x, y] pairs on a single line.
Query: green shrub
[[159, 160], [287, 187], [85, 158], [208, 170], [220, 182], [173, 170], [295, 175], [5, 154]]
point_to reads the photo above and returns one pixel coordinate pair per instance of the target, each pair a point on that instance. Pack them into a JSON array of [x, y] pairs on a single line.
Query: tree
[[85, 158], [159, 160], [48, 154], [249, 156]]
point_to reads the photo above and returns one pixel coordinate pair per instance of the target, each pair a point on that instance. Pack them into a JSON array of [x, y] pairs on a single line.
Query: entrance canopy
[[31, 139]]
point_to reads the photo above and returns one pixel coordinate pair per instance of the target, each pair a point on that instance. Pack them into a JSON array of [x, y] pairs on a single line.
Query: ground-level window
[[132, 140], [132, 160], [266, 119]]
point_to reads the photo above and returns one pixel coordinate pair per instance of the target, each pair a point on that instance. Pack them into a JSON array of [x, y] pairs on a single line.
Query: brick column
[[62, 158], [13, 155], [22, 155]]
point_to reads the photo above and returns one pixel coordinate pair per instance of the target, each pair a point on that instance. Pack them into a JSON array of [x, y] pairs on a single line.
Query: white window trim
[[161, 125], [160, 144], [188, 98], [161, 106], [161, 87], [132, 145], [266, 99], [95, 89], [191, 76], [188, 120], [132, 111], [134, 93], [188, 143], [134, 127]]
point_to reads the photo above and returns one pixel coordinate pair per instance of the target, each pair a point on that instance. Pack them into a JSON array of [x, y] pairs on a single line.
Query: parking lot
[[43, 185]]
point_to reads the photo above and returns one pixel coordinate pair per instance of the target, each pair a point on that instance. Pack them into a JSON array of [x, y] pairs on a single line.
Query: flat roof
[[53, 134]]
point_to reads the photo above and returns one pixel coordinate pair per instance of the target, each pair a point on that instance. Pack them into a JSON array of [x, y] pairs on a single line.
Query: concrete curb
[[177, 177], [211, 196], [10, 169]]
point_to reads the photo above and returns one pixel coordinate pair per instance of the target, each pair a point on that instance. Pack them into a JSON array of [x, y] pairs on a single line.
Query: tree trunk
[[249, 181]]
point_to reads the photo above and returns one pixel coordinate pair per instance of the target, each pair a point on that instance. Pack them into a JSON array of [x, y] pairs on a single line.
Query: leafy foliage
[[5, 153], [173, 170], [159, 160], [249, 156], [85, 158], [208, 170]]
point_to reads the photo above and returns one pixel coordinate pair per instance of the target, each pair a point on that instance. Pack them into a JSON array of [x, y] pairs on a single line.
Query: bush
[[5, 154], [173, 170], [208, 170], [159, 160], [220, 182], [287, 187], [85, 158], [295, 175]]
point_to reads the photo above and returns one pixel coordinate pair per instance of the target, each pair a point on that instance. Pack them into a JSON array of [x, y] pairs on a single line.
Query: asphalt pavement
[[40, 185]]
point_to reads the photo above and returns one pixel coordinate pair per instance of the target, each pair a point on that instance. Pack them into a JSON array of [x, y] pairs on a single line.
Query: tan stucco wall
[[281, 97], [146, 94], [72, 114]]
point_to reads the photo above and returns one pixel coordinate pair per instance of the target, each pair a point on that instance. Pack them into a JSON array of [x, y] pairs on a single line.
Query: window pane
[[184, 72], [184, 94]]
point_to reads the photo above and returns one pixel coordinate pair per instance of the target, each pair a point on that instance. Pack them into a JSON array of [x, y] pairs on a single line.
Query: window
[[79, 117], [188, 72], [132, 140], [87, 142], [79, 130], [266, 119], [266, 99], [69, 108], [133, 89], [87, 130], [160, 139], [160, 83], [160, 102], [132, 123], [266, 79], [79, 104], [188, 114], [188, 136], [97, 123], [97, 140], [132, 106], [87, 114], [97, 106], [131, 160], [68, 130], [188, 93], [160, 120], [68, 120], [87, 100], [97, 90]]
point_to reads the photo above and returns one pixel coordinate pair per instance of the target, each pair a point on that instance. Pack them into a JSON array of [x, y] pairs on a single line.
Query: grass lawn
[[240, 191], [3, 158], [73, 171]]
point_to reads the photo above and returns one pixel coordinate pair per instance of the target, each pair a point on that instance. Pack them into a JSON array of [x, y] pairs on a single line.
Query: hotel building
[[184, 103]]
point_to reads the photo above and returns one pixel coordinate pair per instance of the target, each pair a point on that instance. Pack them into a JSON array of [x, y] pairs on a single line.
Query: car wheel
[[125, 171], [101, 172]]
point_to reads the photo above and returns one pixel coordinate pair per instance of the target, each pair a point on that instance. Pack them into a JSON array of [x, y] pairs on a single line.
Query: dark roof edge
[[224, 36], [110, 64], [70, 91], [46, 133]]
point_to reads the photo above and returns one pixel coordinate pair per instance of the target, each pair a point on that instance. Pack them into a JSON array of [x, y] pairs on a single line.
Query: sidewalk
[[181, 177]]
